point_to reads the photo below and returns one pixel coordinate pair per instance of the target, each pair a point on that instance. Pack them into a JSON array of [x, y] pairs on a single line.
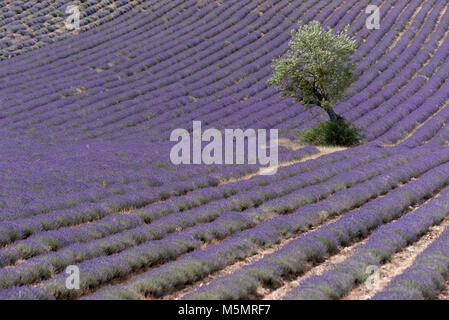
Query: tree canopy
[[317, 68]]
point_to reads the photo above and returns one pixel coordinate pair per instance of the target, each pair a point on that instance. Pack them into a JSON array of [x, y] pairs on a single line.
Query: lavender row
[[425, 277], [165, 279], [160, 227], [42, 241], [24, 228], [34, 22], [154, 84], [104, 190], [385, 241], [293, 258], [377, 51]]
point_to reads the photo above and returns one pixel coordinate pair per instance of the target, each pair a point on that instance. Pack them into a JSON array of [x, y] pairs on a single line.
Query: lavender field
[[86, 179]]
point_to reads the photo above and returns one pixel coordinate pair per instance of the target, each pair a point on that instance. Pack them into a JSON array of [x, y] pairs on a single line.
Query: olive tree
[[317, 68]]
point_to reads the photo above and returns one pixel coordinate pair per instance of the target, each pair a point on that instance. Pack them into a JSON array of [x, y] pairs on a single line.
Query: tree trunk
[[332, 115]]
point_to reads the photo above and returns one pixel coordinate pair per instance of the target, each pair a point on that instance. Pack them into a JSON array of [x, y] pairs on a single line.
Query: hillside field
[[87, 182]]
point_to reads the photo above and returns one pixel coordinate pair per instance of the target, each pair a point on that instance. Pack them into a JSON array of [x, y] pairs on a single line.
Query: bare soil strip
[[407, 25], [238, 265], [445, 34], [417, 73], [343, 254], [329, 260], [399, 262], [444, 105], [386, 51], [335, 10], [421, 45], [294, 146], [229, 269], [319, 269], [444, 294]]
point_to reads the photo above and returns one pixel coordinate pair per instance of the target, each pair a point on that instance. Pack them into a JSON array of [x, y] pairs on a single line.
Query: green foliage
[[316, 70], [317, 67], [337, 132], [158, 164]]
